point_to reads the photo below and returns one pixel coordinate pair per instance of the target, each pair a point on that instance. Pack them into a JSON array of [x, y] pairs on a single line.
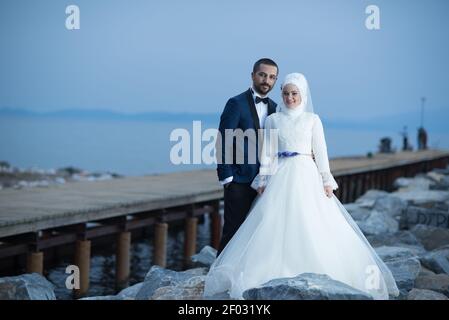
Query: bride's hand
[[328, 191], [260, 190]]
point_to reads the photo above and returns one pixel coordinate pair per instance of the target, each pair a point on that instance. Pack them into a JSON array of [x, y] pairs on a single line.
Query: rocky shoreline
[[19, 178], [408, 228]]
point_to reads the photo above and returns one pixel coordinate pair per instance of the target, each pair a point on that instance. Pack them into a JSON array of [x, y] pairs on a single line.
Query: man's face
[[264, 78]]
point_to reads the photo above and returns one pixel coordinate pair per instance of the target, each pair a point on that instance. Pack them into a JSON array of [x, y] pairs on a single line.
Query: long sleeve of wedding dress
[[319, 149]]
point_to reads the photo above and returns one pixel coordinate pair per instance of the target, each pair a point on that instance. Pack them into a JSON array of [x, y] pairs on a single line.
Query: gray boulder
[[402, 238], [219, 296], [436, 282], [378, 223], [101, 298], [444, 171], [357, 212], [131, 292], [435, 176], [387, 253], [425, 272], [437, 260], [415, 183], [441, 180], [404, 271], [422, 197], [205, 257], [159, 277], [431, 237], [30, 286], [190, 289], [391, 205], [414, 215], [368, 199], [126, 294], [423, 294], [306, 286]]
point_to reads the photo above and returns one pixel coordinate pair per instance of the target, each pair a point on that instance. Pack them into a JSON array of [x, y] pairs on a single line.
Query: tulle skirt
[[294, 228]]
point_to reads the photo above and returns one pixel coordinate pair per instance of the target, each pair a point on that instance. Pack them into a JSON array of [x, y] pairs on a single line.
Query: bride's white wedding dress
[[293, 227]]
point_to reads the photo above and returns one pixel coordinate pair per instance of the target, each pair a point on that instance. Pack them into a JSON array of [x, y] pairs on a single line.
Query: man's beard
[[261, 89]]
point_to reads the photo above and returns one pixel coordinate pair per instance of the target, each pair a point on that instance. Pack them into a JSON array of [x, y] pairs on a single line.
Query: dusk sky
[[191, 56]]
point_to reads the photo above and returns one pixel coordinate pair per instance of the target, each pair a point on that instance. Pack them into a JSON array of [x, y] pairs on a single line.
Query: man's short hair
[[264, 61]]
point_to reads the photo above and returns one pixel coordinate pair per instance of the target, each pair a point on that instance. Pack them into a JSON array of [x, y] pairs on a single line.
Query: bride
[[296, 224]]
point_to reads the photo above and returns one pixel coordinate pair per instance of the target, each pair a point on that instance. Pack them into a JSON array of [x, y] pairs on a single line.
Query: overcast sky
[[191, 56]]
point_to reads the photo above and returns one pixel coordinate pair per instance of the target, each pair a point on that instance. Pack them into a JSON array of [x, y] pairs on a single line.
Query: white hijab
[[300, 81]]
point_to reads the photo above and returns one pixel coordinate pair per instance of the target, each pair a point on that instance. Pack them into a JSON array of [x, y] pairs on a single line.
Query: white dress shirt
[[262, 109], [262, 113]]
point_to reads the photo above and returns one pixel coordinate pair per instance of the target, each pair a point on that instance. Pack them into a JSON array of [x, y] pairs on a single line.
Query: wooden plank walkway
[[29, 210], [34, 209], [349, 165]]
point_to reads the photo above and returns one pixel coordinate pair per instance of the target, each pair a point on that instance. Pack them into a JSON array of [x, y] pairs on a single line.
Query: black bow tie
[[264, 100]]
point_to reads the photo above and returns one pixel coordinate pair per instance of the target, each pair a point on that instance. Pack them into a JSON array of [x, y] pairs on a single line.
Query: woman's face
[[291, 96]]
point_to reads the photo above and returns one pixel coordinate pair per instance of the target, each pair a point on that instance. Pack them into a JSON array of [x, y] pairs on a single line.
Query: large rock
[[126, 294], [205, 257], [425, 272], [444, 171], [219, 296], [357, 212], [306, 286], [368, 199], [415, 183], [437, 260], [436, 282], [435, 176], [402, 238], [441, 181], [423, 294], [442, 206], [417, 215], [110, 297], [387, 253], [30, 286], [191, 289], [431, 237], [422, 197], [378, 223], [130, 293], [159, 277], [404, 272], [391, 205]]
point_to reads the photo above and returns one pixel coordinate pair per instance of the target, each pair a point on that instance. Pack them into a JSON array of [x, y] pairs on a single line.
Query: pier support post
[[190, 239], [82, 261], [122, 259], [215, 226], [160, 244], [35, 262]]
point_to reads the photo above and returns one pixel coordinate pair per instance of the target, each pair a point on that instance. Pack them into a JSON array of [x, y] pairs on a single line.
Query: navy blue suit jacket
[[240, 113]]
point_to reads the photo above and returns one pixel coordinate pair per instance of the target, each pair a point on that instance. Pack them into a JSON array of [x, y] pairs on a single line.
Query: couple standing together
[[281, 218]]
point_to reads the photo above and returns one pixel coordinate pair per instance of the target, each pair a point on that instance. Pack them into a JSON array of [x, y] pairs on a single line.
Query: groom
[[247, 110]]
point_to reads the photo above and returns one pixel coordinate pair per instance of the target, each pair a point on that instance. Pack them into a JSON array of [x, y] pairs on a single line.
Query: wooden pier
[[36, 219]]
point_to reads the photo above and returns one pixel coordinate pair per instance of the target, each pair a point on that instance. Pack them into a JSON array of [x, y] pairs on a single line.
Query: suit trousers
[[238, 198]]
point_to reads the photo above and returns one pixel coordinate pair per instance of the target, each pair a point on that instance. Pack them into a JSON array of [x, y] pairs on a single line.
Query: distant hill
[[435, 121], [111, 115]]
